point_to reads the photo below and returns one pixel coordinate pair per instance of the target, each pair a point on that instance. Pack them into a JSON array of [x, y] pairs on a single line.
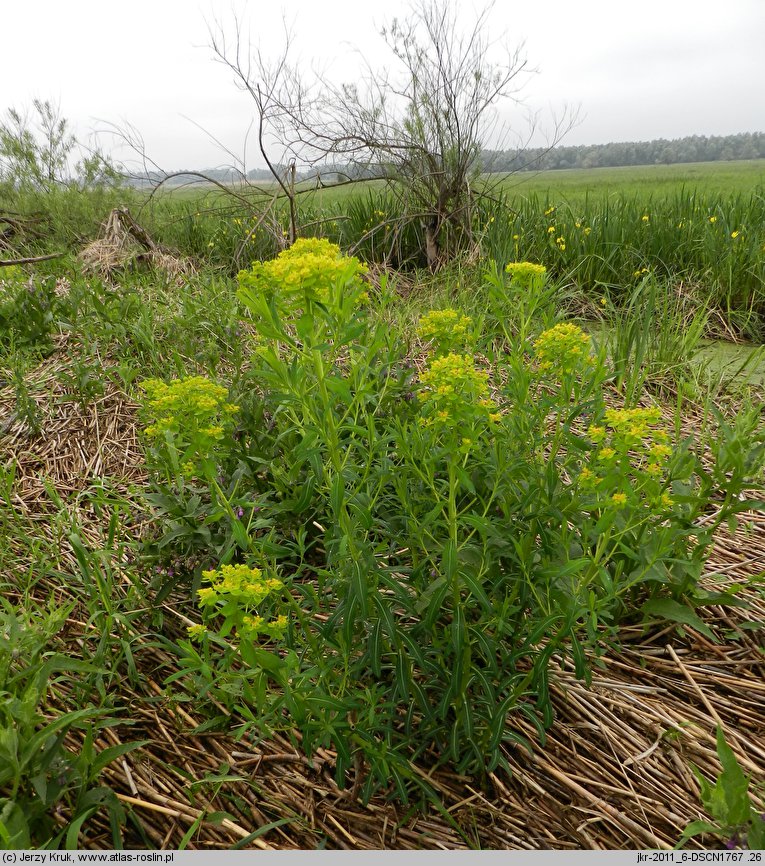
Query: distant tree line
[[692, 148]]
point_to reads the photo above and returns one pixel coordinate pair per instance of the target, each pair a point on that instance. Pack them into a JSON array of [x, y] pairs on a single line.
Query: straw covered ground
[[615, 771]]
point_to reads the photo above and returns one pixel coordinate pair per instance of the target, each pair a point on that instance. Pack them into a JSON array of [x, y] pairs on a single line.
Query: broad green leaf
[[674, 611]]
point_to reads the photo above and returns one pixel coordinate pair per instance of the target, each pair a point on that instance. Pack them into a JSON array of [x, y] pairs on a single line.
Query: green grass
[[700, 225], [650, 181]]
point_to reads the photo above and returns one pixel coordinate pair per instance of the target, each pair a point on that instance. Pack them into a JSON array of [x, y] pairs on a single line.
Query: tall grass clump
[[655, 336], [712, 240]]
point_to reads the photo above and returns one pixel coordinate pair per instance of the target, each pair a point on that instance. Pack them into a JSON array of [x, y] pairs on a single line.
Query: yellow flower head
[[207, 595], [194, 411], [444, 327], [252, 623], [660, 451], [634, 424], [564, 348], [455, 392], [307, 271], [619, 499], [527, 275]]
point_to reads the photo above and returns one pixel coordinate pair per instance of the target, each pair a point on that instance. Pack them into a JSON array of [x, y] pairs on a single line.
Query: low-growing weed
[[735, 820], [40, 776], [27, 312]]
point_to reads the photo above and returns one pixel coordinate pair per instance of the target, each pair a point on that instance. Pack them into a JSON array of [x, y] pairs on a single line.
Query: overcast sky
[[638, 70]]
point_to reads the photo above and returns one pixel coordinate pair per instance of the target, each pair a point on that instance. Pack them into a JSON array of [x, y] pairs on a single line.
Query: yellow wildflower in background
[[633, 423], [634, 454], [239, 581], [235, 592], [207, 595]]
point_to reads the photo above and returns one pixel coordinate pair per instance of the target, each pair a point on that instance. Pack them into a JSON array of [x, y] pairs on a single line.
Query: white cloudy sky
[[638, 69]]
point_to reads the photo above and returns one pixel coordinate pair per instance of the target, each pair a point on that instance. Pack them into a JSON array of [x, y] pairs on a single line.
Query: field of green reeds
[[600, 230]]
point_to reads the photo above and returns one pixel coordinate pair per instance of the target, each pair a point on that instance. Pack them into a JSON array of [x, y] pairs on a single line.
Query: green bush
[[433, 538]]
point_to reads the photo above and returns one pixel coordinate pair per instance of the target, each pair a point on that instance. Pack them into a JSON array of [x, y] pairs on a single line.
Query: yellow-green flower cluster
[[235, 591], [307, 271], [631, 457], [241, 582], [455, 396], [194, 397], [527, 274], [563, 349], [635, 426], [446, 329], [11, 273], [193, 410]]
